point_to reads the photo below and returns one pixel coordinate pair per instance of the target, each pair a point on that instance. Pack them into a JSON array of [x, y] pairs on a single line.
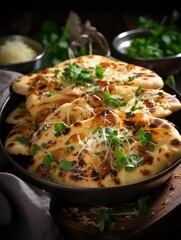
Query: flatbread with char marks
[[115, 71], [128, 99], [108, 150], [94, 122], [66, 81]]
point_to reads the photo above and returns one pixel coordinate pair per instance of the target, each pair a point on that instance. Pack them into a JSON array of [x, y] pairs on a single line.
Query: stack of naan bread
[[94, 122]]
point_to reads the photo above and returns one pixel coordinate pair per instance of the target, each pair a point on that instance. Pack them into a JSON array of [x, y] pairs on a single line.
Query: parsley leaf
[[65, 165], [59, 127], [99, 72], [139, 91], [112, 136], [105, 222], [23, 140], [35, 148], [49, 94], [48, 158], [113, 100], [145, 138], [129, 162], [76, 75], [107, 218]]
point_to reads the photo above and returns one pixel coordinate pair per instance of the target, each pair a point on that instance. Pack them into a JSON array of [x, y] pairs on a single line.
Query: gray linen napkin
[[24, 209], [6, 78]]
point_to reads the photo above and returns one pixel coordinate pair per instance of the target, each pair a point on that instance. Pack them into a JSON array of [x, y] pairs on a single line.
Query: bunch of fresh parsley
[[72, 40], [164, 38], [56, 43]]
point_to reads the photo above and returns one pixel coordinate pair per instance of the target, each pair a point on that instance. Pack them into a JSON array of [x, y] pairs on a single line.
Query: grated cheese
[[14, 51]]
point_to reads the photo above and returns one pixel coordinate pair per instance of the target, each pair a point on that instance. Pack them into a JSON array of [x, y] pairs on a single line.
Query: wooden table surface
[[164, 215]]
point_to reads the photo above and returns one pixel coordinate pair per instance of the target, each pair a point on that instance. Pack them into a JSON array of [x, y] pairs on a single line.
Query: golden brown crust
[[100, 131], [49, 88], [92, 158]]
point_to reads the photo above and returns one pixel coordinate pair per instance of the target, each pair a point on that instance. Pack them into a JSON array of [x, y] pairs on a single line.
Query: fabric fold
[[26, 208]]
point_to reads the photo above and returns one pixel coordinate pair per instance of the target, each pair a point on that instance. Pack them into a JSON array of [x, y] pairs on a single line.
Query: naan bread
[[94, 122], [103, 150], [154, 102], [18, 140], [117, 72], [121, 72], [22, 84], [157, 102], [54, 86], [19, 115]]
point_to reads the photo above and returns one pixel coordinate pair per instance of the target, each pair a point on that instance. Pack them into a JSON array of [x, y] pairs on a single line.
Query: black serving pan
[[87, 196]]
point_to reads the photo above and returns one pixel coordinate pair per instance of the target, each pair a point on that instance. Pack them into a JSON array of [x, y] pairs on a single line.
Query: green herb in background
[[107, 218], [164, 38], [72, 40], [55, 42], [170, 80]]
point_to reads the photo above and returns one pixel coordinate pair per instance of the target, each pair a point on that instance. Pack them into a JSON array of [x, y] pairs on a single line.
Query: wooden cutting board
[[164, 215]]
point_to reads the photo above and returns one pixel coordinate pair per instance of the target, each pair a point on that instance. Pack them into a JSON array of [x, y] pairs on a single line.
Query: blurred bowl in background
[[20, 53], [162, 66]]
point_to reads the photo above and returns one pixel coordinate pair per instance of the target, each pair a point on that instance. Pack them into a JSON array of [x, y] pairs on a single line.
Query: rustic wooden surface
[[163, 216]]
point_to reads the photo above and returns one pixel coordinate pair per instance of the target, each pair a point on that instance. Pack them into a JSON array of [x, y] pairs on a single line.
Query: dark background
[[110, 17]]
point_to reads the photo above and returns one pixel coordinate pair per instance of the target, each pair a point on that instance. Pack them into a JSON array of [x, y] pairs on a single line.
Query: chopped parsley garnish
[[129, 114], [48, 158], [128, 162], [145, 138], [112, 136], [71, 148], [49, 94], [96, 89], [97, 130], [65, 165], [99, 72], [23, 140], [59, 127], [56, 72], [113, 100], [139, 91], [35, 148], [131, 78], [135, 107], [76, 75]]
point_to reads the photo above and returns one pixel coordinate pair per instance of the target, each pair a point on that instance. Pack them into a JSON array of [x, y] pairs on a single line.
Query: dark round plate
[[89, 196]]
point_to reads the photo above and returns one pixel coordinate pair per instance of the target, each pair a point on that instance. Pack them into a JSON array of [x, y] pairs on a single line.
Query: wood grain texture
[[163, 216]]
